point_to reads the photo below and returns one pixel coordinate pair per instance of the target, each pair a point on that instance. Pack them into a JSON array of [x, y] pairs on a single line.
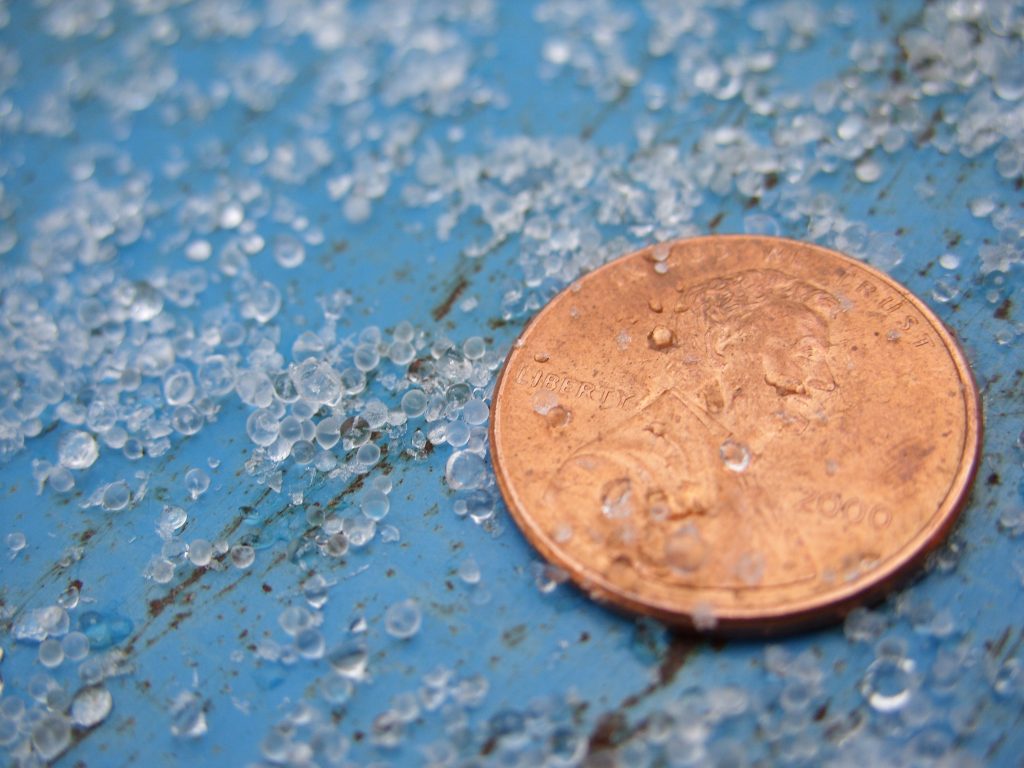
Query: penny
[[736, 434]]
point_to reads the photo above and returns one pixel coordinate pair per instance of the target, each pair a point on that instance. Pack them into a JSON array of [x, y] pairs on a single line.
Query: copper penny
[[737, 434]]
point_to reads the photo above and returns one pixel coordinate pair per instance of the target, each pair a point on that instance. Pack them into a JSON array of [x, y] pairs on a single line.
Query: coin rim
[[821, 608]]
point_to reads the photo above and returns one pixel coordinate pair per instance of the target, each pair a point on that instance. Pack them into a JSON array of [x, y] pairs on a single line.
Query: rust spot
[[588, 130], [49, 428], [1003, 310], [157, 606], [445, 306], [906, 459], [678, 652], [246, 510], [355, 484], [1013, 649], [420, 369], [612, 727], [675, 656], [514, 636], [489, 745], [230, 587], [267, 588], [610, 731], [995, 648]]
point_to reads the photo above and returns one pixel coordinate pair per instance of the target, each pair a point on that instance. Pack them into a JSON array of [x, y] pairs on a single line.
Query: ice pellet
[[77, 450], [402, 619]]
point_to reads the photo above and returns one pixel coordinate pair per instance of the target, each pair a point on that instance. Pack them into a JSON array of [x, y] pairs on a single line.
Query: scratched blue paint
[[526, 643]]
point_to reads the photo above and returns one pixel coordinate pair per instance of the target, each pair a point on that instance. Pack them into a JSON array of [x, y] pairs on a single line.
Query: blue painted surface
[[198, 633]]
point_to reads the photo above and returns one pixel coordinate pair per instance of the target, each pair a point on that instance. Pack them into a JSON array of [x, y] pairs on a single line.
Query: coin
[[735, 434]]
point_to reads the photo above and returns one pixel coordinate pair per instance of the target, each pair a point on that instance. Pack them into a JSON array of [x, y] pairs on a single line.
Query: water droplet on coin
[[658, 507], [750, 568], [661, 337], [685, 550], [704, 617], [735, 456], [558, 417], [621, 572], [616, 498], [543, 401]]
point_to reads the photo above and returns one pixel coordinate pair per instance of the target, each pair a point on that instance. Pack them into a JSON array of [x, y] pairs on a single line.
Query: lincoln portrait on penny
[[675, 486]]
